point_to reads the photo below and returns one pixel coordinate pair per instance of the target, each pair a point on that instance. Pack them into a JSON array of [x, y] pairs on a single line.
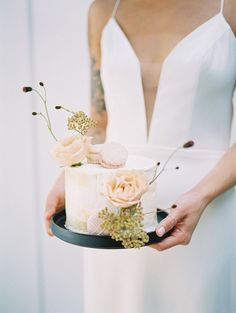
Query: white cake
[[85, 192]]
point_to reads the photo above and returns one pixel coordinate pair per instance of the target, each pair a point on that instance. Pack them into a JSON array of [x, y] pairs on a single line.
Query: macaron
[[94, 225], [113, 155], [93, 156]]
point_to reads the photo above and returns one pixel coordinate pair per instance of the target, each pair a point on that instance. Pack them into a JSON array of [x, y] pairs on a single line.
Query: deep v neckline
[[170, 53]]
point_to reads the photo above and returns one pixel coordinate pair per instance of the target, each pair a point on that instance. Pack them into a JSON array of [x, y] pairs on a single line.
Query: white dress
[[193, 101]]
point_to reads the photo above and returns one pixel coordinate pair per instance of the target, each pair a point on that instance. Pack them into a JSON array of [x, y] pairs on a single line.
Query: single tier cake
[[86, 193]]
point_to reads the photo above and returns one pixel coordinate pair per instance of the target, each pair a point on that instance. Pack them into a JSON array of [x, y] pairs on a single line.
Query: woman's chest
[[154, 30]]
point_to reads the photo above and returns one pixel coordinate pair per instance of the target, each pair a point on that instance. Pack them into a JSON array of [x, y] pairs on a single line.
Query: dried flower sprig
[[187, 145], [125, 226], [79, 121], [43, 98]]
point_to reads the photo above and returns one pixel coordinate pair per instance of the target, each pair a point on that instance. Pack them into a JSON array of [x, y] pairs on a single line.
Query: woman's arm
[[220, 178], [98, 107], [99, 14], [187, 210], [189, 207], [97, 17]]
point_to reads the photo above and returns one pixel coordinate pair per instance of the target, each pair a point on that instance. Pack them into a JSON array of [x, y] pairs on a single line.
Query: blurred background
[[40, 41], [44, 41]]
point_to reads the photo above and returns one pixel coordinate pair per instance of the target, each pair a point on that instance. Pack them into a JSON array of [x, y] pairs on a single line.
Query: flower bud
[[27, 89], [188, 144], [58, 107], [41, 84], [34, 113]]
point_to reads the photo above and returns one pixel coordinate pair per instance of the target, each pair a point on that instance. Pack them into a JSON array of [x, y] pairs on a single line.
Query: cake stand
[[96, 241]]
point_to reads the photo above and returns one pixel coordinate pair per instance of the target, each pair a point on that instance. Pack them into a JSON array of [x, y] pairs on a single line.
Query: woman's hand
[[55, 201], [183, 219], [185, 215]]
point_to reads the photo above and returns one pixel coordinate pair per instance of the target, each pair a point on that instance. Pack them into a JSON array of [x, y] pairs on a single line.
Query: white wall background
[[40, 41]]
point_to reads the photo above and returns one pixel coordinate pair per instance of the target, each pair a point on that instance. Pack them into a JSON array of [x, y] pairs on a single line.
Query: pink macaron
[[113, 155], [94, 154]]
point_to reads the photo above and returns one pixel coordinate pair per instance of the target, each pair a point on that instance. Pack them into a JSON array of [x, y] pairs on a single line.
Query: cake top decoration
[[113, 155], [75, 149]]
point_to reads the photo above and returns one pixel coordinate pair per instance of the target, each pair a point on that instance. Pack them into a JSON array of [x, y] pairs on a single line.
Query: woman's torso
[[194, 101], [153, 29], [163, 74]]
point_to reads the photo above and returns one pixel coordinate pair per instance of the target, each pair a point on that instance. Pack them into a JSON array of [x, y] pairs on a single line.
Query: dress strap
[[115, 8], [221, 6]]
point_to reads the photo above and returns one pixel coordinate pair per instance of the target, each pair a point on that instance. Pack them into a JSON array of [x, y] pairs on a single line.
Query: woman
[[165, 72]]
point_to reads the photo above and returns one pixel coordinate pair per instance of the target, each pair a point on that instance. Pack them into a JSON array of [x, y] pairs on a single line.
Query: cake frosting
[[85, 193]]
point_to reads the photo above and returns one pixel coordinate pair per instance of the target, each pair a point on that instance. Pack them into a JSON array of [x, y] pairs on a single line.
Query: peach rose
[[71, 150], [126, 188]]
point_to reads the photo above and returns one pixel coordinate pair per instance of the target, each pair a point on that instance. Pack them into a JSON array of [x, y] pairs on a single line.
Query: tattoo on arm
[[98, 106], [97, 92]]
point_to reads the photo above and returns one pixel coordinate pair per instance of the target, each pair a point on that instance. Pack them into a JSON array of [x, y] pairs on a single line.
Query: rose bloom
[[126, 188], [71, 150]]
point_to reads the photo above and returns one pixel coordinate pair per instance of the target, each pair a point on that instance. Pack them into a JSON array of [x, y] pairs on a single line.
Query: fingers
[[169, 242], [55, 201], [169, 222], [51, 209], [48, 227], [176, 238]]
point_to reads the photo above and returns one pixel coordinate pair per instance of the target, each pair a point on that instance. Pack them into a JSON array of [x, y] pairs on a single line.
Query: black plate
[[95, 241]]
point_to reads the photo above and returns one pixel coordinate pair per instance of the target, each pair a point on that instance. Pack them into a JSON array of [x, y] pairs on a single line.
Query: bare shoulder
[[102, 7], [99, 13], [230, 13]]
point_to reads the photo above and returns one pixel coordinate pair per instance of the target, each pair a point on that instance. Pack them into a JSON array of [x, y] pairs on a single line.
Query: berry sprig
[[187, 145], [43, 98], [78, 121]]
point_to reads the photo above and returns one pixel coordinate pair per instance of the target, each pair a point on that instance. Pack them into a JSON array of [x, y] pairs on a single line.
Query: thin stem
[[46, 118], [164, 166], [152, 181], [156, 211], [149, 212], [77, 131], [48, 126], [39, 94], [67, 110], [171, 155], [171, 168], [45, 105], [45, 93], [157, 165]]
